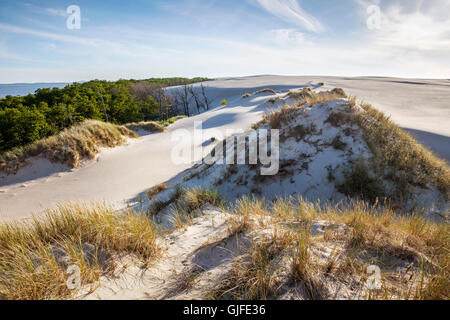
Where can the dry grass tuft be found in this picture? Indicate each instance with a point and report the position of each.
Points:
(278, 117)
(188, 206)
(300, 95)
(340, 92)
(149, 126)
(254, 274)
(69, 146)
(35, 257)
(156, 189)
(320, 98)
(266, 90)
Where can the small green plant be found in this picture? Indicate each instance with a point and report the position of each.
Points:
(224, 102)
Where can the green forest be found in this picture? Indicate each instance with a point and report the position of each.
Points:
(30, 118)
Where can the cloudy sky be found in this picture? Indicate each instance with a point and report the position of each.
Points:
(215, 38)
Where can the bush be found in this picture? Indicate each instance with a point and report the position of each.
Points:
(224, 102)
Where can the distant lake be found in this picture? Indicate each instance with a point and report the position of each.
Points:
(22, 89)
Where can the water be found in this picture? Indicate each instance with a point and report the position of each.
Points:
(22, 89)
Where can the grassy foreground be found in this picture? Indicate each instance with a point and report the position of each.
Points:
(411, 252)
(285, 254)
(36, 257)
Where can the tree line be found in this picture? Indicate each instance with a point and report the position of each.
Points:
(24, 119)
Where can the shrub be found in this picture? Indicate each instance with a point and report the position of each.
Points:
(224, 102)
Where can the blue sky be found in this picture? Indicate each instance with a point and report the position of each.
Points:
(144, 38)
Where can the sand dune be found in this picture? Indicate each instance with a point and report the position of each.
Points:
(120, 174)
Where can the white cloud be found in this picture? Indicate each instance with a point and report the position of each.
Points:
(287, 37)
(290, 10)
(413, 25)
(55, 12)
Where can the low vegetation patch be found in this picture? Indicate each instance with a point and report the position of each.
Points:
(153, 126)
(276, 118)
(37, 258)
(184, 204)
(266, 90)
(156, 189)
(360, 182)
(149, 126)
(399, 157)
(302, 94)
(70, 146)
(308, 250)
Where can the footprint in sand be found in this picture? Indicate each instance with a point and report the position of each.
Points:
(3, 190)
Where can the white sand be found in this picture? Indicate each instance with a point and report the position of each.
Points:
(121, 174)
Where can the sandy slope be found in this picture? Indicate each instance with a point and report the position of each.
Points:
(122, 173)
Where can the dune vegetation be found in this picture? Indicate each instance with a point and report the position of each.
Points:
(149, 126)
(70, 146)
(306, 251)
(26, 119)
(153, 126)
(286, 248)
(397, 157)
(289, 248)
(35, 256)
(79, 142)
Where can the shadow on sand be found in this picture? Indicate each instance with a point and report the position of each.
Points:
(439, 144)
